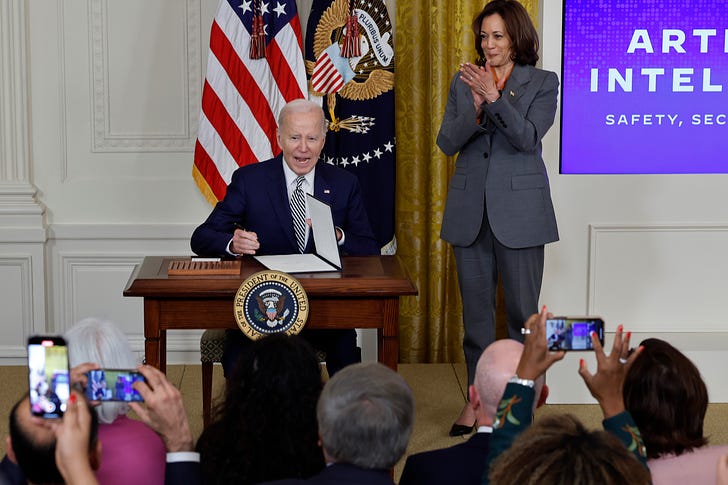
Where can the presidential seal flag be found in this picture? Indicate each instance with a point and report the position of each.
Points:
(350, 63)
(255, 66)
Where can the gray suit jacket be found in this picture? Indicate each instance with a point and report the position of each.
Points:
(499, 168)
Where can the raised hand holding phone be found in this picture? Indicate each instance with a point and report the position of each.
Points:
(48, 376)
(536, 358)
(573, 333)
(606, 384)
(113, 385)
(72, 443)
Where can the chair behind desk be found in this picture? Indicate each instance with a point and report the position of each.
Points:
(212, 344)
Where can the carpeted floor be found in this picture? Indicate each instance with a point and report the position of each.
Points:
(439, 395)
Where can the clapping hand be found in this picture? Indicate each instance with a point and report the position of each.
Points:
(481, 82)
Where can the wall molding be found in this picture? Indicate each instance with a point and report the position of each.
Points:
(70, 296)
(597, 231)
(104, 138)
(115, 232)
(18, 204)
(634, 269)
(90, 265)
(14, 146)
(706, 350)
(24, 265)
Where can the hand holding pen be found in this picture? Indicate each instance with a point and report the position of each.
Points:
(244, 242)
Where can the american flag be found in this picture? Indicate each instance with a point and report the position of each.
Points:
(242, 97)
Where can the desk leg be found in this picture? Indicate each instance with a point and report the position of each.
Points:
(163, 351)
(154, 339)
(388, 335)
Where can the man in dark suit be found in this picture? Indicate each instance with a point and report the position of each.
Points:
(365, 416)
(255, 217)
(465, 463)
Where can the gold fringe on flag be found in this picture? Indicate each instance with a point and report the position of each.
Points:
(351, 46)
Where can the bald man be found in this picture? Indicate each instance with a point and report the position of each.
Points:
(465, 463)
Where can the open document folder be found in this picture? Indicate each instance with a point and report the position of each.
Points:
(326, 257)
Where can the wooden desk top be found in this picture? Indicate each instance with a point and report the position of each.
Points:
(361, 276)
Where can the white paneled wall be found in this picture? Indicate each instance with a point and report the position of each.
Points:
(646, 251)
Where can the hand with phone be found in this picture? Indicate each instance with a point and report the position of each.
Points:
(606, 384)
(48, 376)
(72, 443)
(536, 357)
(113, 385)
(573, 333)
(164, 410)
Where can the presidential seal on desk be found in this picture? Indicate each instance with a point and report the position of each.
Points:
(270, 302)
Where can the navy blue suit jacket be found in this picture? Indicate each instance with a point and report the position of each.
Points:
(257, 199)
(183, 473)
(462, 464)
(10, 473)
(343, 474)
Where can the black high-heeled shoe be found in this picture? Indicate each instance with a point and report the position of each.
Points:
(461, 429)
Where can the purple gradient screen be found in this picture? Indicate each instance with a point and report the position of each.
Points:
(644, 87)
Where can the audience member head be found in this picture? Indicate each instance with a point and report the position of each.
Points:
(497, 364)
(365, 416)
(103, 343)
(667, 398)
(301, 134)
(559, 450)
(32, 445)
(265, 428)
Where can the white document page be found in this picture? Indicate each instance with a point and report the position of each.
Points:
(295, 263)
(327, 250)
(324, 234)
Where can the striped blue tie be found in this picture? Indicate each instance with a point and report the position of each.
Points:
(298, 211)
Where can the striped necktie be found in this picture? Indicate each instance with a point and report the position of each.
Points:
(298, 211)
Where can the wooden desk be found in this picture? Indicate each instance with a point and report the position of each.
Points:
(365, 294)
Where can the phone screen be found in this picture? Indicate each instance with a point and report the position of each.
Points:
(573, 333)
(48, 376)
(113, 385)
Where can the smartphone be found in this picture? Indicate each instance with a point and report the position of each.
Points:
(573, 333)
(48, 376)
(113, 385)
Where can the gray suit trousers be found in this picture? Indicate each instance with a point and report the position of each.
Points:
(478, 265)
